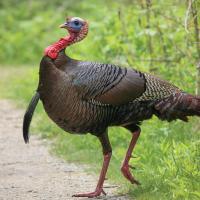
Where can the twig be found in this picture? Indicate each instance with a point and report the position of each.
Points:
(155, 60)
(148, 26)
(187, 15)
(196, 29)
(198, 80)
(197, 38)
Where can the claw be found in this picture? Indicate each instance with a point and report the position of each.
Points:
(96, 193)
(126, 167)
(133, 156)
(137, 182)
(132, 167)
(103, 192)
(127, 174)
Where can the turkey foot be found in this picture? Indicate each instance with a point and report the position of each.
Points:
(99, 188)
(127, 174)
(125, 169)
(96, 193)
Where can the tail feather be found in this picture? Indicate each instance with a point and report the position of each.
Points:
(178, 106)
(28, 116)
(190, 105)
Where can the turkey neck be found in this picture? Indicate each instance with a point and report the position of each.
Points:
(64, 42)
(72, 38)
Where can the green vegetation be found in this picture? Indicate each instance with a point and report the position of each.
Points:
(129, 33)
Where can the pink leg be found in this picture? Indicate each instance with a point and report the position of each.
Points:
(125, 169)
(99, 187)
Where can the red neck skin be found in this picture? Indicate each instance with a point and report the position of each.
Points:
(65, 41)
(53, 50)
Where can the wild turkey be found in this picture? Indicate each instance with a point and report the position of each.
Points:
(82, 97)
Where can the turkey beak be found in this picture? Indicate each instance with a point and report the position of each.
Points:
(65, 25)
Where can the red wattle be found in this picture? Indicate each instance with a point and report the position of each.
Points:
(53, 50)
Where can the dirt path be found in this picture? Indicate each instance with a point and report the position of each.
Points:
(29, 172)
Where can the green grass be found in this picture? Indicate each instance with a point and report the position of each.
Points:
(168, 154)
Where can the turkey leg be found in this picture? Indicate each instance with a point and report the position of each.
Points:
(107, 151)
(125, 169)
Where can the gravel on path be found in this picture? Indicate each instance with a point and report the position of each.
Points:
(30, 172)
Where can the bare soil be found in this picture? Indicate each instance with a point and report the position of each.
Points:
(30, 172)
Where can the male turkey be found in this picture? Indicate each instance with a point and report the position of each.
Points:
(82, 97)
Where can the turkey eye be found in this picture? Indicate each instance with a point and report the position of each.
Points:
(76, 23)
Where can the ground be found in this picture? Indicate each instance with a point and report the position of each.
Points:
(30, 172)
